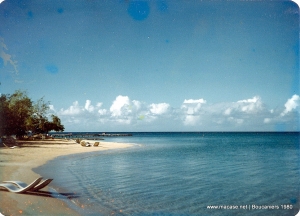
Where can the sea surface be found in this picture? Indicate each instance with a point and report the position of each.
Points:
(184, 173)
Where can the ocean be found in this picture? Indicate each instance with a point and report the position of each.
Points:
(184, 173)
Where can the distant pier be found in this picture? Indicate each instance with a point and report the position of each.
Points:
(88, 135)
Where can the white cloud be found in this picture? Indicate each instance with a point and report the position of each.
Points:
(247, 106)
(51, 107)
(191, 120)
(88, 106)
(236, 120)
(191, 110)
(102, 111)
(291, 104)
(192, 101)
(72, 110)
(159, 109)
(137, 104)
(252, 100)
(242, 112)
(191, 106)
(98, 105)
(252, 105)
(228, 111)
(193, 114)
(120, 106)
(125, 111)
(99, 110)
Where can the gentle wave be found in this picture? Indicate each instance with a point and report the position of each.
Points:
(184, 173)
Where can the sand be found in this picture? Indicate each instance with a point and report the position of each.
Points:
(17, 164)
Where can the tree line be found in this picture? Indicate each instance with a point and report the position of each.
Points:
(19, 115)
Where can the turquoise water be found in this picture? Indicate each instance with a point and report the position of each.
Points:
(185, 174)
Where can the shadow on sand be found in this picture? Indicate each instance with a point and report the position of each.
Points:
(48, 194)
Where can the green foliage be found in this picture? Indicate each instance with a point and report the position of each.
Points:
(15, 110)
(4, 115)
(55, 124)
(18, 115)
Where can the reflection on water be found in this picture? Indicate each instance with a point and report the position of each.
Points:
(184, 173)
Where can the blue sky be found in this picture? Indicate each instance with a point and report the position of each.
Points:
(156, 65)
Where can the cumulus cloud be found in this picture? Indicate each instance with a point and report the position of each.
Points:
(191, 120)
(72, 110)
(192, 101)
(191, 110)
(291, 104)
(252, 105)
(248, 106)
(126, 111)
(236, 120)
(102, 111)
(288, 115)
(76, 109)
(120, 105)
(192, 106)
(228, 111)
(137, 103)
(244, 113)
(193, 114)
(88, 106)
(159, 109)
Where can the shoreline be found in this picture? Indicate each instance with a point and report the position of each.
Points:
(18, 164)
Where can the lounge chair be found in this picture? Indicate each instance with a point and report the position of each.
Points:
(12, 188)
(85, 144)
(42, 184)
(39, 186)
(12, 147)
(96, 144)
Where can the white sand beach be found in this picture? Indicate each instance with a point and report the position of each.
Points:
(17, 164)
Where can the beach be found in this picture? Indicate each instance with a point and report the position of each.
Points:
(170, 173)
(17, 164)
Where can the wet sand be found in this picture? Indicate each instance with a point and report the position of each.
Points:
(17, 164)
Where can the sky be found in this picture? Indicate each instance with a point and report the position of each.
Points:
(157, 65)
